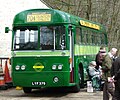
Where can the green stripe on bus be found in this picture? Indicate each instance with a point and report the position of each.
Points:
(40, 53)
(85, 49)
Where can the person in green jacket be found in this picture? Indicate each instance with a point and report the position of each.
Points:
(106, 66)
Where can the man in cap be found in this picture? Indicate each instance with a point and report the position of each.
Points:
(99, 57)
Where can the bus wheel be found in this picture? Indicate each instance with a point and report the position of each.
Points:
(81, 74)
(27, 90)
(76, 88)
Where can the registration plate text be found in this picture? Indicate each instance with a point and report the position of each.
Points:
(38, 83)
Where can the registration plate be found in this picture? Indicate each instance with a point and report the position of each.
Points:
(38, 83)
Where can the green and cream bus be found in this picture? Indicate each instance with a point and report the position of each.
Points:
(51, 48)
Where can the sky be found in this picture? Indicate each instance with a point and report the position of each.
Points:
(8, 9)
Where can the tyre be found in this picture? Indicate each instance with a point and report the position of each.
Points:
(76, 88)
(27, 90)
(81, 73)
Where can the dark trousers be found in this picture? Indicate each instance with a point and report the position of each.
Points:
(108, 90)
(117, 90)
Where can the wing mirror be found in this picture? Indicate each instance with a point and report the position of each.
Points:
(7, 29)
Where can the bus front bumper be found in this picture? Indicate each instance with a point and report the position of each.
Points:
(41, 79)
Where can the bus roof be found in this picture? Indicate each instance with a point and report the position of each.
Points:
(52, 16)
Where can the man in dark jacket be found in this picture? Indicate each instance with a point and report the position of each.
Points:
(115, 72)
(99, 57)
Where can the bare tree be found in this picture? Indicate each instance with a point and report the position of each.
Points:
(106, 12)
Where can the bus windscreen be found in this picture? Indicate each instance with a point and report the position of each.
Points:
(50, 38)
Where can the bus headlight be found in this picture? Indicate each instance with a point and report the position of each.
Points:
(23, 67)
(54, 67)
(60, 67)
(55, 79)
(17, 67)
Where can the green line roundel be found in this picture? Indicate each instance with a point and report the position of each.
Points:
(38, 67)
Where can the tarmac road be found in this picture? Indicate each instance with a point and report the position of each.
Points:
(49, 94)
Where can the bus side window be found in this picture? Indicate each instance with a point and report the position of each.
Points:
(92, 39)
(98, 39)
(87, 38)
(78, 36)
(83, 36)
(103, 42)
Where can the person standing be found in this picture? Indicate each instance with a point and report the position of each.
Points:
(99, 57)
(115, 73)
(106, 67)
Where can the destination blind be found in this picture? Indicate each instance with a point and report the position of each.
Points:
(38, 17)
(88, 24)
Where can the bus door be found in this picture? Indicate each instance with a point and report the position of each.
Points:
(71, 59)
